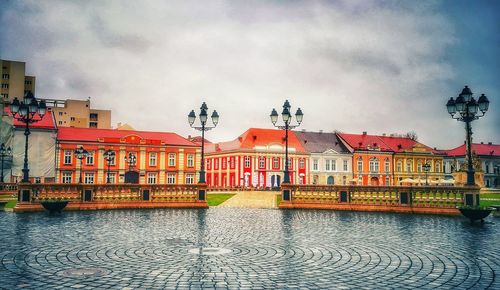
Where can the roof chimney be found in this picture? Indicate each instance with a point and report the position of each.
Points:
(383, 134)
(320, 131)
(489, 143)
(364, 132)
(482, 142)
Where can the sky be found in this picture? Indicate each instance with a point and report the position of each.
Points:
(352, 66)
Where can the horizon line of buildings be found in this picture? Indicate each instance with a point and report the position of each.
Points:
(253, 159)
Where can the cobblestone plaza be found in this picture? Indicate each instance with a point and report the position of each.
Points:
(246, 249)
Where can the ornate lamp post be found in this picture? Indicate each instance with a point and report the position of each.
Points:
(4, 152)
(131, 160)
(27, 111)
(81, 153)
(466, 109)
(287, 119)
(109, 155)
(203, 121)
(426, 168)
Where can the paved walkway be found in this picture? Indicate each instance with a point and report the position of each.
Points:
(252, 199)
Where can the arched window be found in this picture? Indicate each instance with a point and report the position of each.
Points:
(374, 165)
(330, 180)
(419, 166)
(400, 166)
(437, 167)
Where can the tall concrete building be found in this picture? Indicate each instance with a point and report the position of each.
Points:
(14, 81)
(78, 114)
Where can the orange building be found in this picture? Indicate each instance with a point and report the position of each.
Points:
(256, 159)
(160, 158)
(371, 160)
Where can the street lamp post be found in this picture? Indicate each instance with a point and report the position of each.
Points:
(426, 167)
(27, 111)
(203, 121)
(466, 109)
(81, 153)
(109, 155)
(287, 119)
(4, 152)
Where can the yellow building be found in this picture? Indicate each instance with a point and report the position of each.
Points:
(15, 82)
(409, 159)
(79, 114)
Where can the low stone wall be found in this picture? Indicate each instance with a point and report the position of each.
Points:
(112, 196)
(425, 199)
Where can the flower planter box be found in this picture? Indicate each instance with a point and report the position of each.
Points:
(54, 206)
(475, 213)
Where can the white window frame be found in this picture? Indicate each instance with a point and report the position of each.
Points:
(189, 178)
(152, 158)
(302, 163)
(89, 178)
(171, 159)
(327, 165)
(262, 162)
(190, 160)
(360, 164)
(315, 164)
(276, 163)
(171, 177)
(67, 177)
(89, 159)
(152, 177)
(68, 155)
(346, 165)
(247, 161)
(333, 164)
(387, 165)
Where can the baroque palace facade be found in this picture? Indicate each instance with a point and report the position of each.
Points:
(145, 157)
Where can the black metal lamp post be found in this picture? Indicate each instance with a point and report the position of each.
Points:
(203, 121)
(4, 152)
(466, 109)
(426, 167)
(131, 160)
(27, 111)
(109, 155)
(81, 153)
(287, 119)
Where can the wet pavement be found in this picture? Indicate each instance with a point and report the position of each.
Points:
(230, 248)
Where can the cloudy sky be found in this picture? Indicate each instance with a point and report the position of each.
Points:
(353, 66)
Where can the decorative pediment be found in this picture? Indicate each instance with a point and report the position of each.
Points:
(418, 148)
(132, 139)
(330, 151)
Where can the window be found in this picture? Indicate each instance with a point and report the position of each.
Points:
(409, 166)
(387, 165)
(346, 165)
(90, 158)
(5, 76)
(419, 166)
(334, 165)
(93, 117)
(387, 181)
(38, 180)
(112, 160)
(72, 118)
(170, 178)
(216, 163)
(374, 165)
(67, 156)
(302, 164)
(93, 125)
(231, 162)
(152, 159)
(190, 160)
(315, 164)
(399, 166)
(247, 161)
(224, 163)
(66, 177)
(209, 165)
(151, 178)
(89, 178)
(360, 164)
(60, 122)
(5, 96)
(327, 165)
(28, 82)
(60, 113)
(171, 159)
(262, 162)
(189, 178)
(112, 177)
(486, 167)
(276, 162)
(5, 86)
(437, 167)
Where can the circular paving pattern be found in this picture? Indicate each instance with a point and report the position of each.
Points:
(246, 248)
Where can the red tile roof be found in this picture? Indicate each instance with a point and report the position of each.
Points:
(47, 122)
(478, 149)
(258, 137)
(364, 142)
(113, 135)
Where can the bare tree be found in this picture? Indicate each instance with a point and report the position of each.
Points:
(412, 135)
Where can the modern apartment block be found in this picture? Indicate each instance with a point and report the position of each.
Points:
(15, 82)
(79, 114)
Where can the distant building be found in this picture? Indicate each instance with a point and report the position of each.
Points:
(160, 157)
(78, 114)
(15, 82)
(330, 160)
(256, 159)
(489, 158)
